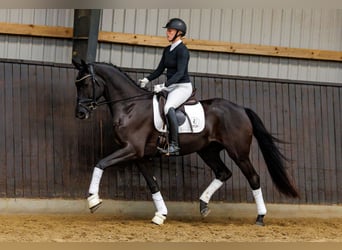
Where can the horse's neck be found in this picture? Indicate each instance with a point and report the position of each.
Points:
(120, 87)
(120, 91)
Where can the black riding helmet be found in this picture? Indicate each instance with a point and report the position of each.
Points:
(177, 24)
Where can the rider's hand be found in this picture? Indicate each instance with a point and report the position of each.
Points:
(158, 87)
(143, 82)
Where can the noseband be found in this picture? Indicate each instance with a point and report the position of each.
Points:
(87, 103)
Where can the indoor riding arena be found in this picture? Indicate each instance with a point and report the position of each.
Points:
(284, 64)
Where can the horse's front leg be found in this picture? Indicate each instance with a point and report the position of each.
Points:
(124, 154)
(161, 213)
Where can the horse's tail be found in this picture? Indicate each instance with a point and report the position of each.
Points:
(274, 159)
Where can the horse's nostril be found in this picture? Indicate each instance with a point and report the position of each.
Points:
(81, 115)
(81, 112)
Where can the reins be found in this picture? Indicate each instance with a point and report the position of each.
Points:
(125, 99)
(93, 102)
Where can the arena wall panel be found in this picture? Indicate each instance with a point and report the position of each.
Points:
(45, 152)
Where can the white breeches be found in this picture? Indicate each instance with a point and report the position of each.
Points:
(178, 94)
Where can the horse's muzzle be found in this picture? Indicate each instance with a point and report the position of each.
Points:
(82, 112)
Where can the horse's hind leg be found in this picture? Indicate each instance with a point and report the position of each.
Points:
(211, 156)
(253, 178)
(157, 198)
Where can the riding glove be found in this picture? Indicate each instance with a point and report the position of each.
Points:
(143, 82)
(158, 87)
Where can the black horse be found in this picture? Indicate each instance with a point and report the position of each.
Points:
(228, 126)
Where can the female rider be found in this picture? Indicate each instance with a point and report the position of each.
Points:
(175, 60)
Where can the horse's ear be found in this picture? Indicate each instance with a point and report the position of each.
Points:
(76, 64)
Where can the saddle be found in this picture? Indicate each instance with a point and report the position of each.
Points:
(180, 111)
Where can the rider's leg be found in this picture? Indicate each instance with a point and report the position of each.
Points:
(178, 94)
(173, 131)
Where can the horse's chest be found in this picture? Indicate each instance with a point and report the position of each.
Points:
(121, 123)
(125, 114)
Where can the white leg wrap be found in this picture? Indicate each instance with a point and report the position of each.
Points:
(93, 200)
(159, 203)
(95, 181)
(259, 200)
(211, 189)
(158, 218)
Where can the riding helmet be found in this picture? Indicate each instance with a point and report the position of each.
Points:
(177, 24)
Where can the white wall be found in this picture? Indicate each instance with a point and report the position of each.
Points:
(298, 28)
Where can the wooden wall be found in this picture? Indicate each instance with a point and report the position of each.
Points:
(45, 152)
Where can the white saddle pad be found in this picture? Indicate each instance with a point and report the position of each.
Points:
(195, 113)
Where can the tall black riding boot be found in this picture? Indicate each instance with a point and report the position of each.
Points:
(173, 132)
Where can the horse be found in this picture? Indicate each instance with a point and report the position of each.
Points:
(228, 126)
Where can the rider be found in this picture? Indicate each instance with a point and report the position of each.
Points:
(175, 59)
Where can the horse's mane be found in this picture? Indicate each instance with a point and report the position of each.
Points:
(119, 69)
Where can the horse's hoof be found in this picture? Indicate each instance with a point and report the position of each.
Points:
(205, 212)
(94, 202)
(260, 220)
(158, 219)
(93, 209)
(204, 209)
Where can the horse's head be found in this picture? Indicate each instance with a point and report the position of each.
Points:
(89, 89)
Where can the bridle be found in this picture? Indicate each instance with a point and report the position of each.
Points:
(91, 104)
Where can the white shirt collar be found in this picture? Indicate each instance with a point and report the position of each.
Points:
(174, 45)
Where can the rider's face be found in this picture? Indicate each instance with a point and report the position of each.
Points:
(170, 34)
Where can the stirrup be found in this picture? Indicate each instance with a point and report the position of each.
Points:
(170, 150)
